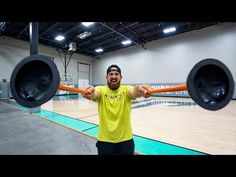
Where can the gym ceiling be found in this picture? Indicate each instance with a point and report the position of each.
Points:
(107, 36)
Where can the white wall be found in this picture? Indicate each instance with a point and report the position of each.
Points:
(13, 50)
(170, 59)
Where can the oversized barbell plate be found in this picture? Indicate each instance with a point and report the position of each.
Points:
(34, 81)
(210, 84)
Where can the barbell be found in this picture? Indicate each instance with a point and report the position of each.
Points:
(35, 80)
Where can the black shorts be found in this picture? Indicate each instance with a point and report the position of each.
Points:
(122, 148)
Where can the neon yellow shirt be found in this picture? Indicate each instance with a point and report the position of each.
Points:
(114, 108)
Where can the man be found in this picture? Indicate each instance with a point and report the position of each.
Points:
(114, 108)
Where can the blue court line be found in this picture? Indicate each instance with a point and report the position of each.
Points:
(67, 121)
(142, 145)
(153, 147)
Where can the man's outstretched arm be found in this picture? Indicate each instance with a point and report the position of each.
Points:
(92, 93)
(138, 91)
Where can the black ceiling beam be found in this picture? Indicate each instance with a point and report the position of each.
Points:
(105, 46)
(120, 30)
(143, 28)
(18, 36)
(78, 49)
(48, 29)
(103, 24)
(113, 47)
(105, 34)
(71, 29)
(133, 32)
(115, 44)
(93, 38)
(103, 42)
(86, 52)
(74, 29)
(81, 50)
(53, 41)
(161, 30)
(90, 31)
(189, 26)
(50, 40)
(2, 26)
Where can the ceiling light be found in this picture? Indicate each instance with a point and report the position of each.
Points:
(168, 30)
(126, 42)
(99, 50)
(87, 23)
(84, 35)
(60, 38)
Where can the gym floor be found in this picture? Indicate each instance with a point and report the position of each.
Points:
(161, 126)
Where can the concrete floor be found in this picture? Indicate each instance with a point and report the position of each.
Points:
(22, 133)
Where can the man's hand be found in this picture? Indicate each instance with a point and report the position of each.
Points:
(143, 91)
(90, 92)
(138, 91)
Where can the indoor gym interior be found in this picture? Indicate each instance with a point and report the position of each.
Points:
(169, 123)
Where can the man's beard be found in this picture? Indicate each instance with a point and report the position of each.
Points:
(113, 86)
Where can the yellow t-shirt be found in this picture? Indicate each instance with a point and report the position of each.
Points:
(114, 109)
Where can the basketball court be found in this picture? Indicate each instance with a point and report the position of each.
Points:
(42, 110)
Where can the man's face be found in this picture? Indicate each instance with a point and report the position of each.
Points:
(113, 79)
